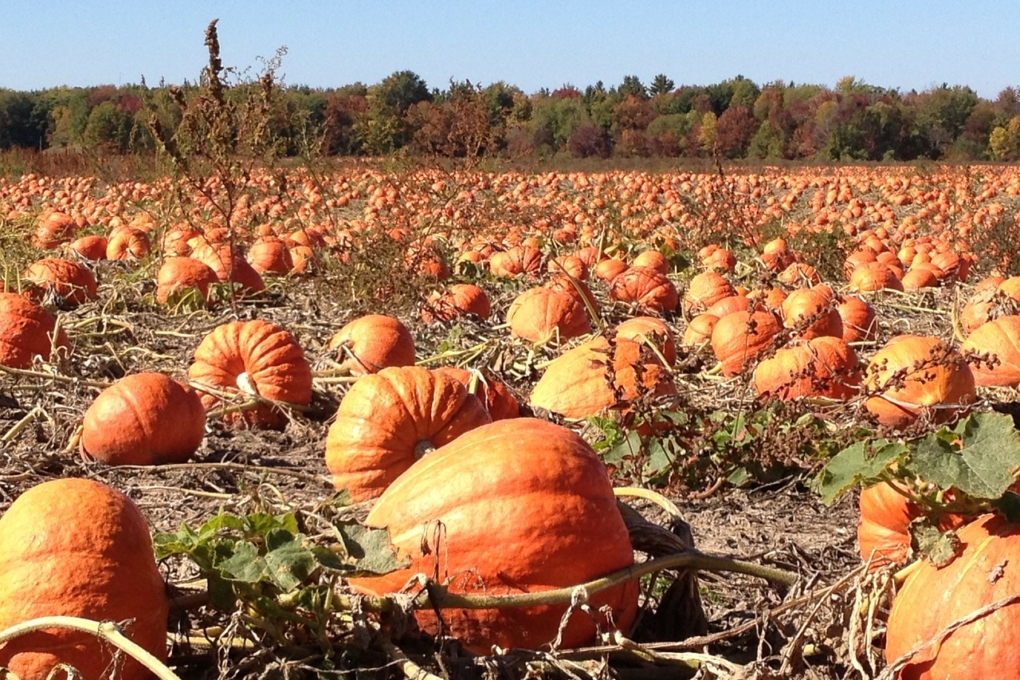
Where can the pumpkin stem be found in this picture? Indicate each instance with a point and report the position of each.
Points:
(423, 448)
(246, 384)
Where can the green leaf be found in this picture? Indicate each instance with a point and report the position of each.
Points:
(369, 549)
(629, 446)
(983, 467)
(940, 547)
(289, 560)
(244, 564)
(181, 543)
(1009, 506)
(857, 464)
(660, 460)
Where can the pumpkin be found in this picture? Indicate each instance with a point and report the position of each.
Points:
(608, 269)
(516, 261)
(179, 274)
(799, 274)
(389, 419)
(776, 255)
(26, 331)
(728, 305)
(143, 419)
(934, 380)
(718, 258)
(586, 380)
(542, 314)
(569, 265)
(873, 277)
(55, 229)
(823, 367)
(699, 330)
(71, 282)
(739, 338)
(809, 314)
(649, 329)
(229, 265)
(75, 547)
(705, 290)
(858, 319)
(883, 532)
(497, 398)
(575, 287)
(459, 299)
(645, 287)
(254, 357)
(998, 338)
(916, 278)
(933, 598)
(90, 247)
(566, 530)
(270, 256)
(128, 243)
(373, 342)
(652, 259)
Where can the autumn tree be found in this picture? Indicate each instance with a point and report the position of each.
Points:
(661, 84)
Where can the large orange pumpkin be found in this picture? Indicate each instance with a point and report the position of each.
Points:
(457, 300)
(824, 367)
(143, 419)
(566, 530)
(388, 420)
(932, 598)
(542, 314)
(648, 288)
(179, 274)
(497, 398)
(253, 356)
(914, 375)
(739, 338)
(1000, 339)
(75, 547)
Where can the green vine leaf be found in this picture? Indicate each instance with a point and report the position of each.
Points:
(862, 463)
(982, 467)
(369, 550)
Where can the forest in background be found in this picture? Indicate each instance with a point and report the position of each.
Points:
(733, 119)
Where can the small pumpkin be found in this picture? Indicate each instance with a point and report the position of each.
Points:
(516, 261)
(76, 547)
(388, 420)
(459, 299)
(645, 287)
(809, 314)
(705, 289)
(858, 319)
(179, 274)
(270, 255)
(566, 530)
(143, 419)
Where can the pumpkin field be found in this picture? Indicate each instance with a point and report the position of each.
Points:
(425, 422)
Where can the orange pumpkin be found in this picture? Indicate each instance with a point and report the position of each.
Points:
(705, 290)
(739, 338)
(645, 287)
(566, 530)
(543, 314)
(650, 329)
(178, 274)
(459, 299)
(1000, 339)
(256, 358)
(26, 331)
(822, 367)
(388, 420)
(810, 315)
(497, 398)
(75, 547)
(373, 342)
(270, 256)
(914, 375)
(516, 261)
(143, 419)
(71, 282)
(858, 319)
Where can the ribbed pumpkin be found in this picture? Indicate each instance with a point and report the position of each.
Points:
(739, 338)
(873, 277)
(576, 288)
(388, 420)
(497, 398)
(373, 342)
(26, 331)
(577, 383)
(516, 261)
(1001, 339)
(270, 255)
(143, 419)
(699, 330)
(648, 288)
(542, 314)
(53, 230)
(91, 247)
(728, 305)
(565, 530)
(931, 599)
(229, 265)
(652, 259)
(650, 329)
(75, 547)
(459, 299)
(810, 315)
(821, 367)
(128, 243)
(941, 390)
(71, 282)
(259, 356)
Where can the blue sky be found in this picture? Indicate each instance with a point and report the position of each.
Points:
(905, 44)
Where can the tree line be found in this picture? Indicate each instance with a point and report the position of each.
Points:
(733, 119)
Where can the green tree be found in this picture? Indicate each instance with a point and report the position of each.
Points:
(108, 128)
(632, 86)
(1004, 142)
(661, 84)
(402, 90)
